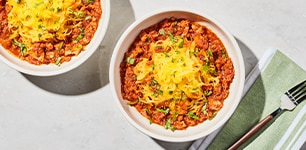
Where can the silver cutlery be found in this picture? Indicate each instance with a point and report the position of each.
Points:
(289, 101)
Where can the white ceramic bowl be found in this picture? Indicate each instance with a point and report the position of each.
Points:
(52, 69)
(191, 133)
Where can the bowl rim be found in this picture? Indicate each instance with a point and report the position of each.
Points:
(52, 69)
(115, 58)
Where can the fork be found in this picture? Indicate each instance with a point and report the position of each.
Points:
(289, 101)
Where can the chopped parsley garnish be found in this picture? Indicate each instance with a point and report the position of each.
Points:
(23, 49)
(39, 35)
(80, 36)
(149, 114)
(224, 55)
(165, 111)
(40, 26)
(205, 67)
(154, 82)
(207, 93)
(159, 92)
(204, 109)
(37, 4)
(192, 115)
(175, 25)
(162, 31)
(58, 9)
(181, 44)
(210, 53)
(158, 46)
(135, 102)
(58, 61)
(60, 46)
(87, 18)
(172, 38)
(166, 54)
(81, 14)
(168, 125)
(213, 72)
(89, 1)
(130, 60)
(195, 89)
(175, 116)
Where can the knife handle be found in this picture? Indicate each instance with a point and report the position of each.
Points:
(254, 130)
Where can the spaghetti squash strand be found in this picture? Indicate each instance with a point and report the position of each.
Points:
(43, 20)
(176, 71)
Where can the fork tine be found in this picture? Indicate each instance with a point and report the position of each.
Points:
(302, 95)
(298, 93)
(301, 99)
(297, 87)
(301, 91)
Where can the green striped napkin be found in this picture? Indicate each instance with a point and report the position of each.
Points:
(286, 130)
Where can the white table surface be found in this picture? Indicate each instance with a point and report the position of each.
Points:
(76, 111)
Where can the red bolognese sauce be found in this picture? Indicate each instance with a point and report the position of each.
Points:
(48, 32)
(176, 73)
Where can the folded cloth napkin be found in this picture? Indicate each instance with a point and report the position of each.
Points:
(287, 130)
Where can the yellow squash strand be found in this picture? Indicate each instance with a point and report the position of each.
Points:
(42, 20)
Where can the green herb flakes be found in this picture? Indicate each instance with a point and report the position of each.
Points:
(165, 111)
(149, 114)
(130, 60)
(80, 36)
(192, 115)
(162, 32)
(210, 53)
(58, 61)
(168, 125)
(23, 49)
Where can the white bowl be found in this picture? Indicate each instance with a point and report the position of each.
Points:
(52, 69)
(191, 133)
